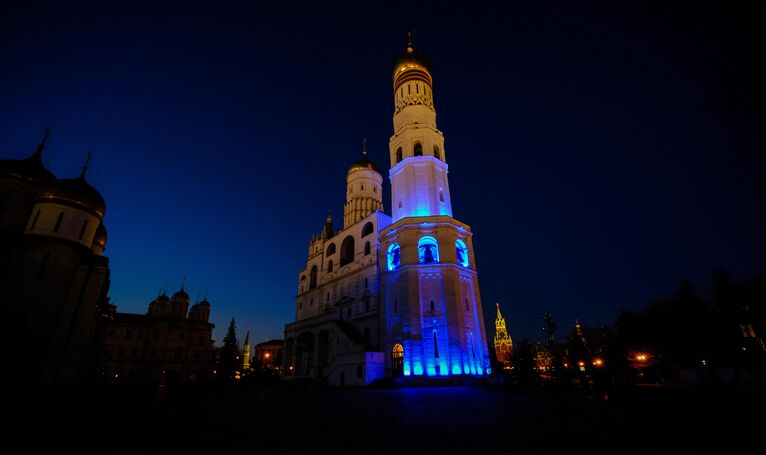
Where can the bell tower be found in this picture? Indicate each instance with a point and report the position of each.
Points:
(433, 321)
(418, 162)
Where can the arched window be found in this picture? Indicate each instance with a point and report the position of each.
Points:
(461, 251)
(418, 149)
(437, 153)
(58, 222)
(441, 196)
(347, 251)
(428, 250)
(392, 256)
(34, 221)
(436, 346)
(397, 360)
(313, 278)
(329, 266)
(367, 229)
(399, 155)
(367, 249)
(432, 306)
(84, 226)
(331, 249)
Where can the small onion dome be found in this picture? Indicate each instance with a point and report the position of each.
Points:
(180, 295)
(29, 169)
(75, 192)
(362, 165)
(411, 66)
(163, 298)
(204, 302)
(100, 237)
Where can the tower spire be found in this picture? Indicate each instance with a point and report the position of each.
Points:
(183, 283)
(410, 48)
(41, 145)
(503, 341)
(364, 148)
(87, 162)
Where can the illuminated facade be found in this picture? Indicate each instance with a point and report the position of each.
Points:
(392, 296)
(429, 285)
(246, 353)
(503, 342)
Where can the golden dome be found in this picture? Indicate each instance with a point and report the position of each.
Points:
(411, 66)
(363, 164)
(180, 295)
(74, 192)
(30, 169)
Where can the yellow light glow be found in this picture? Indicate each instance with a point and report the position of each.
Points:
(267, 355)
(581, 363)
(598, 362)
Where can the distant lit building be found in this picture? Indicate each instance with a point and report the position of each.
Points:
(246, 353)
(169, 343)
(392, 295)
(54, 278)
(268, 355)
(503, 342)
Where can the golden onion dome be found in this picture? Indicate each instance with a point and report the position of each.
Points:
(363, 164)
(100, 238)
(411, 66)
(74, 192)
(30, 169)
(180, 295)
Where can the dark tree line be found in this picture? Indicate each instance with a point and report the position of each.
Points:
(684, 331)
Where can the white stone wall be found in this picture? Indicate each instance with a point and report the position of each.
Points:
(45, 215)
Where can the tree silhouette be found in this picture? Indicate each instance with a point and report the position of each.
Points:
(227, 361)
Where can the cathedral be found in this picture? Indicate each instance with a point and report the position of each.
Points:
(170, 343)
(54, 277)
(395, 295)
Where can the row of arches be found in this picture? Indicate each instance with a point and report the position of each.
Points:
(428, 253)
(418, 151)
(349, 240)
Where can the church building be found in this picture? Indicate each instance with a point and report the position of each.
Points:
(392, 295)
(54, 278)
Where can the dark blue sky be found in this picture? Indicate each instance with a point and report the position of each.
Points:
(600, 154)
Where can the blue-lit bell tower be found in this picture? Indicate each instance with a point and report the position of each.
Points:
(433, 317)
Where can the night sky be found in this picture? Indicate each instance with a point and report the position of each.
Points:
(599, 153)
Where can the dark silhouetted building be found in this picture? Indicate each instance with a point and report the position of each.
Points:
(53, 277)
(169, 343)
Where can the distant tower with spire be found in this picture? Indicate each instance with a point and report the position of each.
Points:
(246, 352)
(503, 342)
